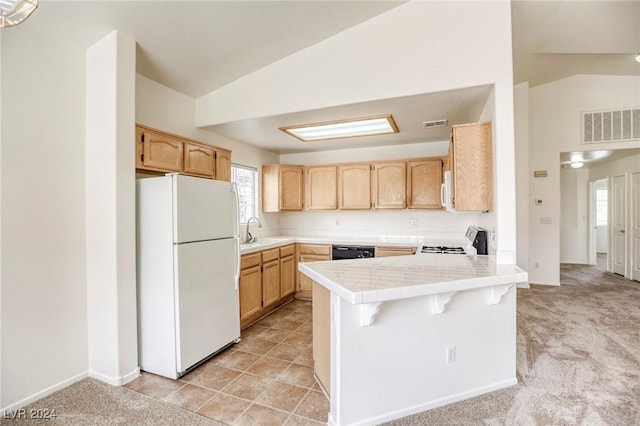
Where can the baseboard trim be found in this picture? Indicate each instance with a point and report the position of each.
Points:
(556, 284)
(435, 403)
(115, 381)
(41, 394)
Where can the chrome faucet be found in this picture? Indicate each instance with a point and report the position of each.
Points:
(250, 238)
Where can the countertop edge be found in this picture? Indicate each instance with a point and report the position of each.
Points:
(377, 295)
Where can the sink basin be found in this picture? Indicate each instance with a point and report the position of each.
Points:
(264, 242)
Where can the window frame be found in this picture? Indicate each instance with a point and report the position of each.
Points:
(256, 208)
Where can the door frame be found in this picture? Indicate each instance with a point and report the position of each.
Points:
(634, 201)
(612, 228)
(592, 258)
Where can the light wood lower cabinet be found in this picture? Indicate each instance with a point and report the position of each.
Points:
(394, 251)
(265, 282)
(270, 277)
(287, 270)
(321, 308)
(250, 292)
(310, 253)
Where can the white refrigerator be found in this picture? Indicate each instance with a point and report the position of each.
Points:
(188, 257)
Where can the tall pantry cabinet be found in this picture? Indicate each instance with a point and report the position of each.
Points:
(471, 163)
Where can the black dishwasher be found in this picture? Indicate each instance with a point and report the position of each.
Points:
(352, 252)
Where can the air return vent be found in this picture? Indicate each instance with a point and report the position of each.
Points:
(611, 126)
(434, 123)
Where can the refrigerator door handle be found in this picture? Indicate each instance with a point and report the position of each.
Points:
(237, 270)
(234, 189)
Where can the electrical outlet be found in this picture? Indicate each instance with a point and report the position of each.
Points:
(337, 222)
(493, 234)
(536, 265)
(545, 220)
(414, 223)
(451, 354)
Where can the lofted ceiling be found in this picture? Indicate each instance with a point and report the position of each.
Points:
(196, 47)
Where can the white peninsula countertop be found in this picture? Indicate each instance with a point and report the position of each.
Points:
(392, 278)
(393, 336)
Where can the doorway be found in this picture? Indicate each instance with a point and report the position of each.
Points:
(618, 222)
(599, 214)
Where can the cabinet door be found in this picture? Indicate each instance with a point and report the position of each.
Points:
(390, 185)
(161, 151)
(287, 275)
(306, 283)
(291, 188)
(472, 165)
(354, 187)
(198, 160)
(223, 164)
(322, 188)
(250, 291)
(321, 320)
(423, 184)
(270, 282)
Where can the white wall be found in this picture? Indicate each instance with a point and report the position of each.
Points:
(385, 58)
(574, 217)
(43, 282)
(430, 224)
(554, 127)
(521, 120)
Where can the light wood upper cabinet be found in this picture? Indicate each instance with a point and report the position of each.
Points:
(322, 188)
(223, 164)
(282, 188)
(199, 160)
(471, 162)
(159, 151)
(424, 178)
(354, 186)
(389, 185)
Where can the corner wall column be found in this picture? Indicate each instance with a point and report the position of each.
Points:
(110, 209)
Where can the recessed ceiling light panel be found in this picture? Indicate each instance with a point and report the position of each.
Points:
(367, 126)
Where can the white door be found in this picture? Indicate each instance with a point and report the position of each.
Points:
(204, 209)
(207, 301)
(635, 225)
(619, 217)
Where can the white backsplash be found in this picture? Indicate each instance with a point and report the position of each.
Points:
(405, 223)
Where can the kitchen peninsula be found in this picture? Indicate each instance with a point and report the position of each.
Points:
(399, 335)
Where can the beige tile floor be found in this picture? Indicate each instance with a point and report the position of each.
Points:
(266, 379)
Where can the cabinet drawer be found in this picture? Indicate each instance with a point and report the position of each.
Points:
(269, 255)
(249, 260)
(287, 250)
(394, 251)
(319, 249)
